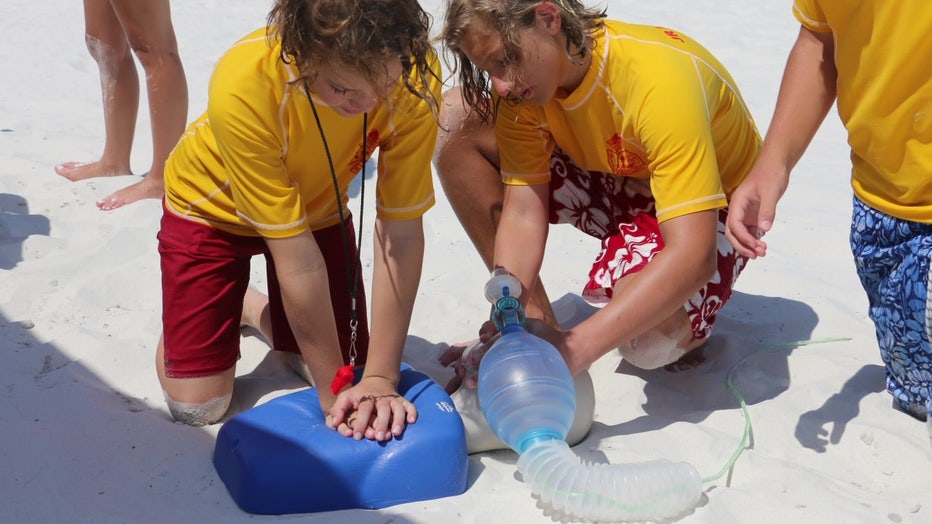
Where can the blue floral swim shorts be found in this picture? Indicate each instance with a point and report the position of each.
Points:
(892, 259)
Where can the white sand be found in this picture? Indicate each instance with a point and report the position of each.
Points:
(84, 434)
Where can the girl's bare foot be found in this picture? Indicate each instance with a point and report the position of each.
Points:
(256, 313)
(148, 187)
(75, 171)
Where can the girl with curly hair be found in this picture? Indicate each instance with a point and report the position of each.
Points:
(295, 111)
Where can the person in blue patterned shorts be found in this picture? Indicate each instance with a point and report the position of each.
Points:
(873, 57)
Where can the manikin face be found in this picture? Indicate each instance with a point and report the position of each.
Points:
(347, 91)
(539, 71)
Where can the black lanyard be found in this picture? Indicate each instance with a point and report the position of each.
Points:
(352, 279)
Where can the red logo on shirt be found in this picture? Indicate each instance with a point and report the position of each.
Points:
(622, 160)
(672, 34)
(372, 142)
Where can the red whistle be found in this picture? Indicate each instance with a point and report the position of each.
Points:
(343, 377)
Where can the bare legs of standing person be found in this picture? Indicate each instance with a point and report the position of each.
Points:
(115, 30)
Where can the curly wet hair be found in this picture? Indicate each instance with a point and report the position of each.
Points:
(508, 17)
(359, 34)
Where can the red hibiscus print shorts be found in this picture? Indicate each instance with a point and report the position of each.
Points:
(620, 211)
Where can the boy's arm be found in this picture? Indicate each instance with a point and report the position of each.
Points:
(521, 238)
(806, 94)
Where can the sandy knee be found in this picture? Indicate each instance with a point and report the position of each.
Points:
(452, 117)
(663, 345)
(462, 126)
(199, 413)
(653, 350)
(452, 107)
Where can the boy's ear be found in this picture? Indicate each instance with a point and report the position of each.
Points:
(548, 14)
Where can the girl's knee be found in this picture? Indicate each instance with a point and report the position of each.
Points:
(199, 414)
(458, 119)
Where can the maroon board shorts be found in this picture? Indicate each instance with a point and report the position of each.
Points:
(205, 273)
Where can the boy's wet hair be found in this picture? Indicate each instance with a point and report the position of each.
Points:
(362, 35)
(507, 17)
